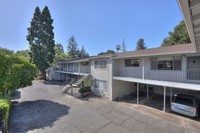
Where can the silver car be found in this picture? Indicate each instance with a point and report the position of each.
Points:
(185, 104)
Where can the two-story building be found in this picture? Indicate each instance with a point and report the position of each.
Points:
(167, 70)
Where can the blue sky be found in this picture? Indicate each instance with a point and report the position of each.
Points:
(97, 24)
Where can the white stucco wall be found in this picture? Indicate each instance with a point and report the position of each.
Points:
(104, 74)
(121, 70)
(53, 75)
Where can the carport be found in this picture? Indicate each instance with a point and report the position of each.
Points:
(186, 86)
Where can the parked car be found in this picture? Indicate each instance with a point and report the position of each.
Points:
(185, 104)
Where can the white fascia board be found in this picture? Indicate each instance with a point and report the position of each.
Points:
(185, 10)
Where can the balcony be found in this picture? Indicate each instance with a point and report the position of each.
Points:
(166, 75)
(193, 73)
(81, 70)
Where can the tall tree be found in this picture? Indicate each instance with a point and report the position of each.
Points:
(140, 44)
(41, 39)
(118, 47)
(6, 51)
(178, 36)
(72, 47)
(82, 53)
(123, 47)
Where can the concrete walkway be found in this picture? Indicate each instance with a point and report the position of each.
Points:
(42, 109)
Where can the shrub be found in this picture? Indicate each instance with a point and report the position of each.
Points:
(5, 106)
(84, 89)
(15, 73)
(86, 84)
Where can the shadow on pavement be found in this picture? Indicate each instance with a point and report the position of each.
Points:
(16, 95)
(30, 115)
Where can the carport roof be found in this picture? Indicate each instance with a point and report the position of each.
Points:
(186, 86)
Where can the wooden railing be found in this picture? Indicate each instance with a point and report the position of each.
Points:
(82, 69)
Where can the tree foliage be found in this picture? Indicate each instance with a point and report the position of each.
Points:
(107, 52)
(140, 44)
(15, 73)
(73, 50)
(41, 39)
(59, 47)
(59, 53)
(23, 54)
(82, 53)
(123, 47)
(6, 51)
(178, 36)
(118, 47)
(72, 47)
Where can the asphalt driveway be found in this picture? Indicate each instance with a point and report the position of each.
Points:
(41, 108)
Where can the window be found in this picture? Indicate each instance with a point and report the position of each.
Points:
(100, 63)
(184, 101)
(166, 64)
(132, 62)
(84, 63)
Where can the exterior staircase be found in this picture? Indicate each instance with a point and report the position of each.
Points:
(73, 84)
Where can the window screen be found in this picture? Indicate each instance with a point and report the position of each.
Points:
(170, 64)
(132, 62)
(100, 63)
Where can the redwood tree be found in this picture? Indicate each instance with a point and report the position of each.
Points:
(41, 39)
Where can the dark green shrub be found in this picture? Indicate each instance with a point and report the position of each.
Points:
(84, 89)
(86, 84)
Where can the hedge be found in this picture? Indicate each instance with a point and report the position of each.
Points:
(5, 105)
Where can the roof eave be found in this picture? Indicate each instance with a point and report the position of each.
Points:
(146, 55)
(186, 13)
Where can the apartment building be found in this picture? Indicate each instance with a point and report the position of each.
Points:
(167, 70)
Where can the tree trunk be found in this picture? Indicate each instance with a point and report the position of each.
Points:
(44, 75)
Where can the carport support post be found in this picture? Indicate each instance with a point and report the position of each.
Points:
(137, 93)
(147, 91)
(71, 86)
(79, 67)
(142, 68)
(164, 98)
(67, 67)
(171, 95)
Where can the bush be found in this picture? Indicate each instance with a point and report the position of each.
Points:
(5, 105)
(84, 89)
(86, 84)
(15, 73)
